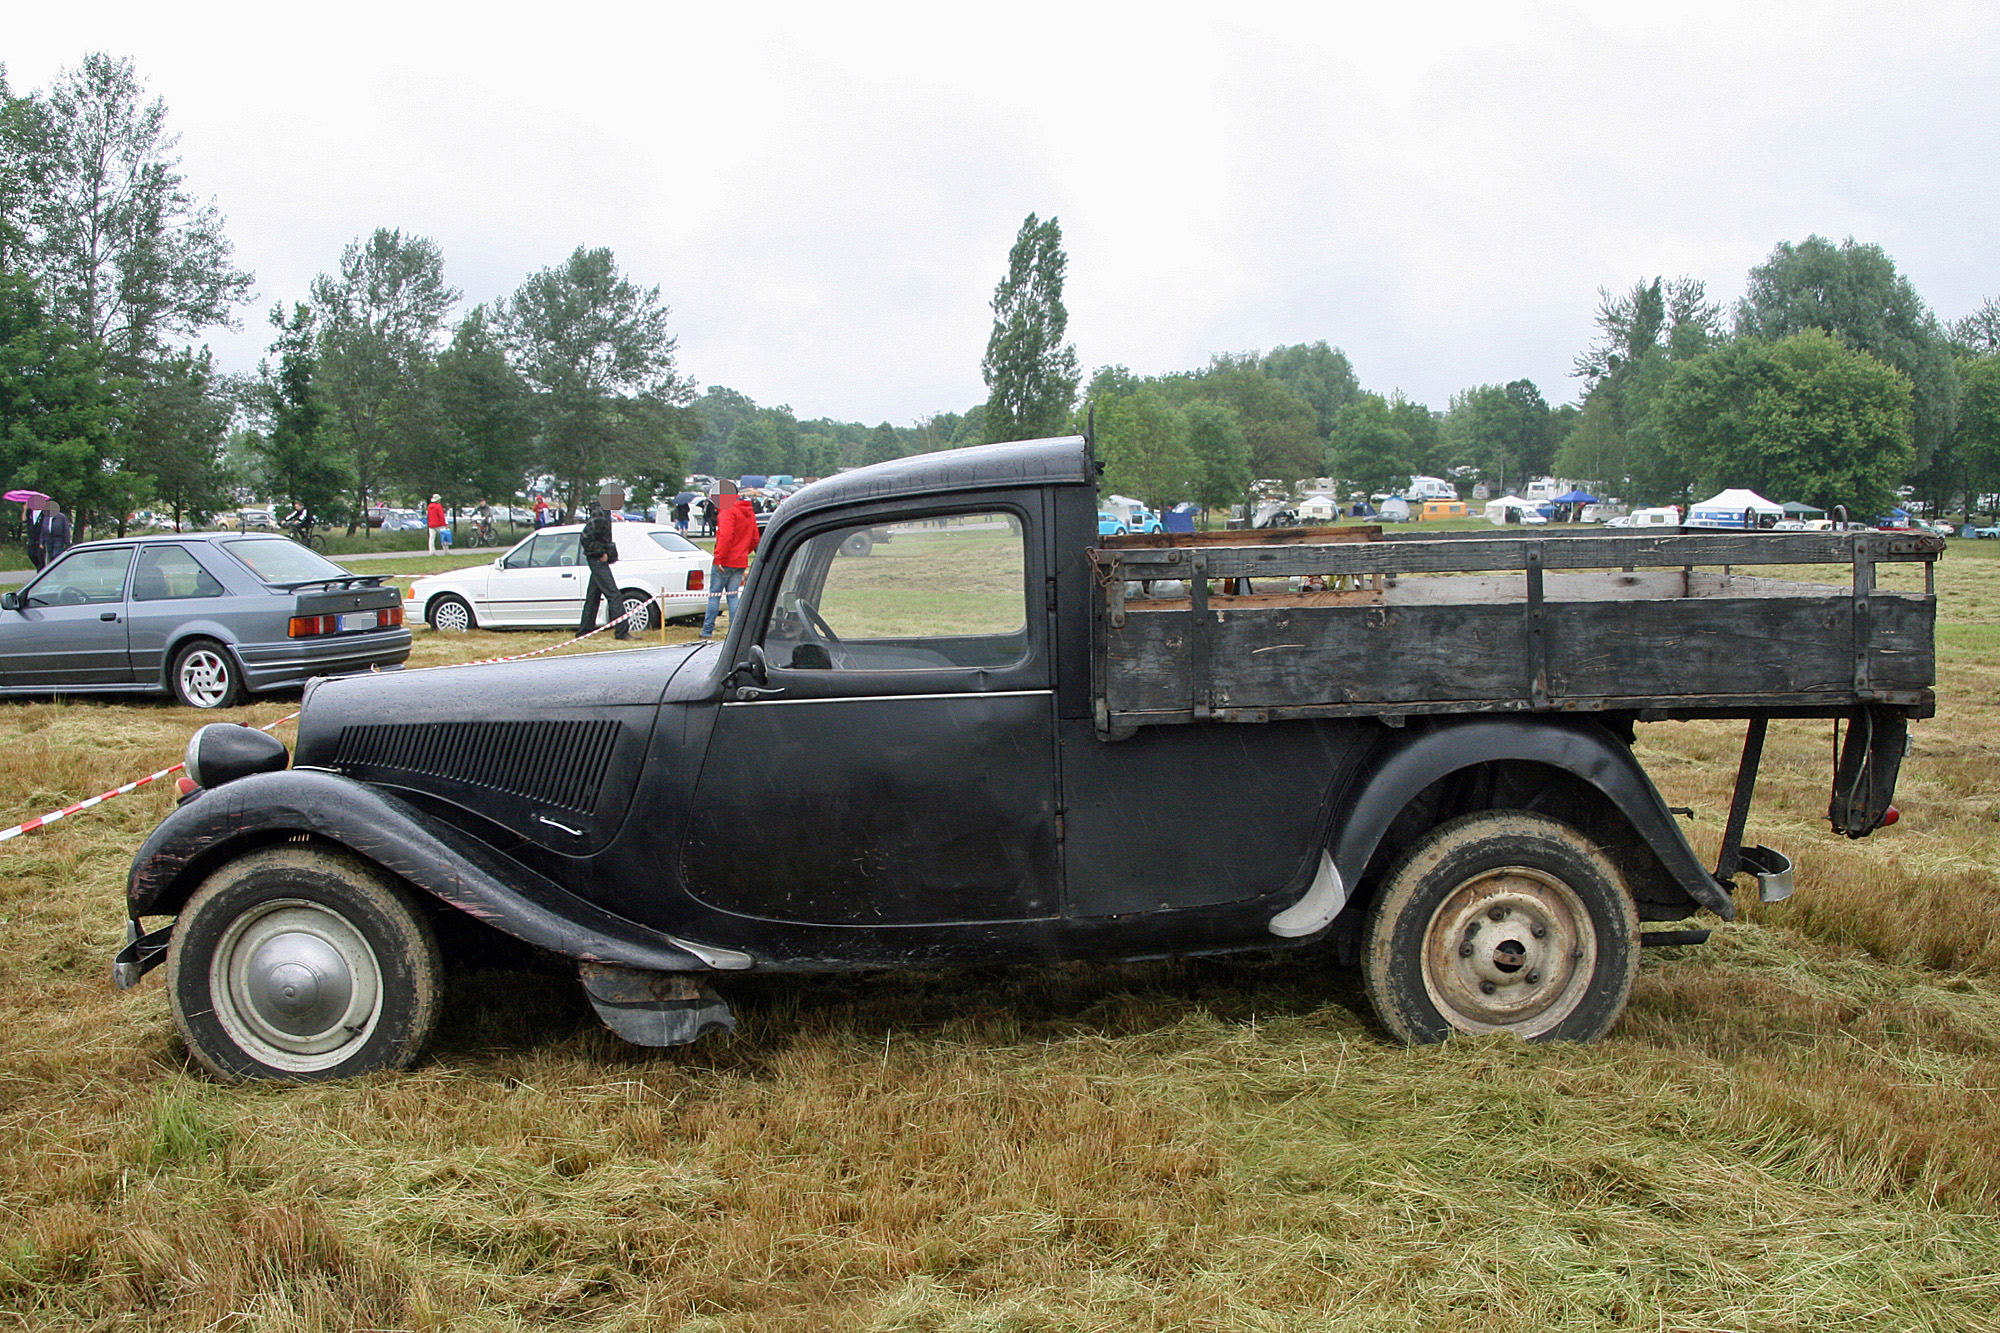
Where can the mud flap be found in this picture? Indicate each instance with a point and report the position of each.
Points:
(1864, 780)
(654, 1008)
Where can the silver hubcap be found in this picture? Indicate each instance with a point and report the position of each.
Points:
(205, 678)
(451, 615)
(296, 985)
(1510, 950)
(642, 618)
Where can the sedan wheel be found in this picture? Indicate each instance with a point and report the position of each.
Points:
(640, 607)
(204, 675)
(452, 613)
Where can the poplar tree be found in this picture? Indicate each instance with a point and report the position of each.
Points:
(1031, 373)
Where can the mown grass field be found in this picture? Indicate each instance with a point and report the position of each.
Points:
(1796, 1126)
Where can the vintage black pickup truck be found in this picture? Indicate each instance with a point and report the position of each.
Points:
(1000, 738)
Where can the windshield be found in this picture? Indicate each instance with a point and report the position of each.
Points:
(282, 560)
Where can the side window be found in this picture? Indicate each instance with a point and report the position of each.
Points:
(523, 556)
(167, 572)
(919, 595)
(82, 578)
(559, 548)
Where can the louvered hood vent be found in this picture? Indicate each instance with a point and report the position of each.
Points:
(560, 764)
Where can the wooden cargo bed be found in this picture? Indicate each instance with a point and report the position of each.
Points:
(1657, 624)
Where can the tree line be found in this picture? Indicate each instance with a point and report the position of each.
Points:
(1830, 381)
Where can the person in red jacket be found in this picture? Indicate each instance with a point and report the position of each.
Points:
(735, 538)
(434, 520)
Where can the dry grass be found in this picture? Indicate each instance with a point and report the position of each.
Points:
(1797, 1125)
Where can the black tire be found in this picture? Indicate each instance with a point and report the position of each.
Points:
(204, 675)
(1501, 921)
(450, 613)
(303, 963)
(640, 603)
(857, 544)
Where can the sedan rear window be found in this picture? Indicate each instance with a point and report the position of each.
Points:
(281, 560)
(673, 542)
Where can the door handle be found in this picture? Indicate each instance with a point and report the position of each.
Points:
(569, 576)
(109, 615)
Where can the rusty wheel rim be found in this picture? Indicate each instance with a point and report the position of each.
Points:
(1509, 950)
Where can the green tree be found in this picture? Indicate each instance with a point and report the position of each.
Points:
(1222, 454)
(1142, 440)
(57, 413)
(720, 411)
(594, 349)
(298, 464)
(1369, 450)
(1280, 429)
(1642, 335)
(131, 257)
(176, 436)
(1031, 373)
(1503, 430)
(484, 426)
(379, 320)
(1979, 426)
(1802, 418)
(21, 133)
(1853, 292)
(1317, 373)
(883, 445)
(1978, 334)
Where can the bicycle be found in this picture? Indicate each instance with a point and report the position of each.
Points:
(483, 533)
(305, 534)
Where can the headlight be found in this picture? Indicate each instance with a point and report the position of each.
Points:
(225, 751)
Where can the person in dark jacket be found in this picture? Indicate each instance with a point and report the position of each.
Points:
(37, 553)
(55, 533)
(600, 549)
(735, 538)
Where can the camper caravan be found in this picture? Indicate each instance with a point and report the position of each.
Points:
(1430, 488)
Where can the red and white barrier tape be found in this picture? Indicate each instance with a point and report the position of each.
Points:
(52, 816)
(43, 821)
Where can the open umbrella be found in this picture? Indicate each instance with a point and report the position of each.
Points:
(35, 498)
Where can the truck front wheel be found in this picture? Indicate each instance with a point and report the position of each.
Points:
(1501, 921)
(302, 963)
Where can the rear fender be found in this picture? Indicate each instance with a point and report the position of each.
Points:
(1588, 751)
(420, 849)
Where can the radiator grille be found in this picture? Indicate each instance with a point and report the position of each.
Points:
(556, 763)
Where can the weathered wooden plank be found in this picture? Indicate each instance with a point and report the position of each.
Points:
(1135, 541)
(1506, 553)
(1391, 657)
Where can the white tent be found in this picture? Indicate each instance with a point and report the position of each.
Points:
(1496, 510)
(1319, 509)
(1726, 509)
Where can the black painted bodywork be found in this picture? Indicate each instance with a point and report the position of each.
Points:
(641, 809)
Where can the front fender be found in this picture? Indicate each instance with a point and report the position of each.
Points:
(1585, 749)
(426, 852)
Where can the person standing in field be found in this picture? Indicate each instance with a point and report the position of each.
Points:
(680, 513)
(55, 532)
(600, 549)
(735, 538)
(541, 511)
(434, 521)
(37, 552)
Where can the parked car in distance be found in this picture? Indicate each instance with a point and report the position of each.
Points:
(204, 616)
(540, 583)
(1992, 530)
(1108, 525)
(402, 520)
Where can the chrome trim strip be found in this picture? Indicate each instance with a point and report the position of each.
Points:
(882, 698)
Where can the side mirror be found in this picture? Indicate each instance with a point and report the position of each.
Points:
(10, 601)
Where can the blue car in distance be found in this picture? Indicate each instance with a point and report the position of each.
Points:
(1109, 525)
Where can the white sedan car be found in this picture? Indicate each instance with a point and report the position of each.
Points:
(541, 582)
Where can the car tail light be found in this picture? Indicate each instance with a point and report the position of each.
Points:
(310, 627)
(694, 580)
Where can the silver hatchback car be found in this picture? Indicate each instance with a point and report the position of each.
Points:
(205, 616)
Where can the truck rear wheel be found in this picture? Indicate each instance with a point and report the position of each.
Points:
(1501, 921)
(302, 963)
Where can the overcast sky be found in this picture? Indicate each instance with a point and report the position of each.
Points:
(825, 194)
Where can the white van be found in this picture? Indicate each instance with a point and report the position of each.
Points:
(1430, 488)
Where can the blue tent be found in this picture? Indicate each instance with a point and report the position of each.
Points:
(1576, 498)
(1181, 517)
